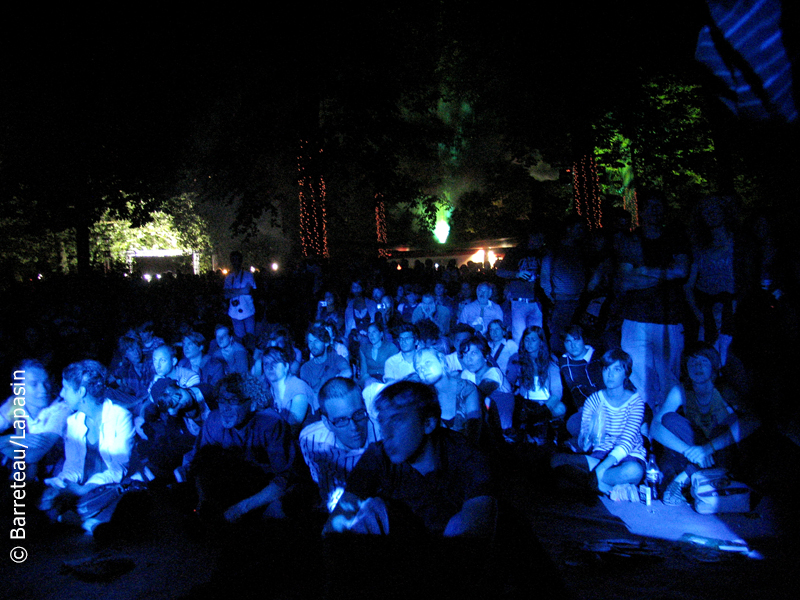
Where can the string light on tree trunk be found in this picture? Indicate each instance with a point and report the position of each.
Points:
(313, 210)
(586, 191)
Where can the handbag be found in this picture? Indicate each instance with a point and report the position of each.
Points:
(715, 492)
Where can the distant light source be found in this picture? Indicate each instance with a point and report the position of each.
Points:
(274, 266)
(252, 269)
(224, 271)
(399, 268)
(40, 276)
(158, 275)
(482, 256)
(147, 277)
(441, 231)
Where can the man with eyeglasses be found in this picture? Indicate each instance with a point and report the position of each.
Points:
(331, 447)
(420, 477)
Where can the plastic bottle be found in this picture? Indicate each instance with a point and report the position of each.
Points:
(652, 476)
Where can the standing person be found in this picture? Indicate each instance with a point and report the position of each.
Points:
(522, 265)
(563, 279)
(711, 287)
(239, 284)
(652, 267)
(97, 442)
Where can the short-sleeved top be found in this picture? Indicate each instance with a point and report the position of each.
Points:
(663, 303)
(240, 307)
(294, 387)
(328, 461)
(462, 473)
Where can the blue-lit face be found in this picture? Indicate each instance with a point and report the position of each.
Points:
(163, 362)
(403, 433)
(574, 347)
(614, 375)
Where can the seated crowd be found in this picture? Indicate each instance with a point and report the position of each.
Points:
(396, 407)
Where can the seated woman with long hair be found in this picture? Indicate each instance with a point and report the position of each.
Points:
(536, 380)
(610, 439)
(698, 426)
(475, 357)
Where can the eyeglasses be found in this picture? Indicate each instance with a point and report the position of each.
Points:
(357, 417)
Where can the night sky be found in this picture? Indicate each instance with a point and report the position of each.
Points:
(143, 98)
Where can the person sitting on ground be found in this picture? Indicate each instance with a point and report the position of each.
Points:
(331, 447)
(479, 313)
(401, 365)
(536, 381)
(170, 425)
(459, 398)
(386, 314)
(244, 457)
(29, 415)
(375, 354)
(580, 371)
(275, 336)
(430, 336)
(459, 334)
(358, 314)
(409, 304)
(609, 436)
(149, 340)
(428, 309)
(328, 309)
(97, 441)
(292, 398)
(210, 368)
(474, 355)
(323, 363)
(420, 477)
(500, 344)
(699, 426)
(230, 351)
(132, 374)
(165, 365)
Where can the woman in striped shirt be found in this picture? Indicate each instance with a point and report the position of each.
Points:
(610, 429)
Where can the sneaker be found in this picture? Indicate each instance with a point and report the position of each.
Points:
(673, 495)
